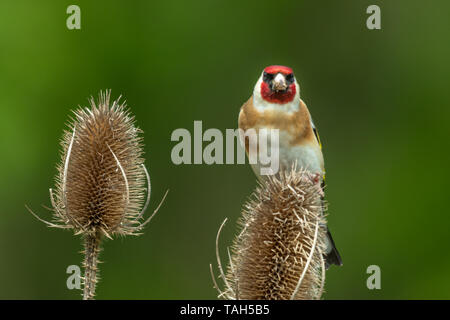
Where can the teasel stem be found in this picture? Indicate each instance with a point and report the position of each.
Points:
(91, 252)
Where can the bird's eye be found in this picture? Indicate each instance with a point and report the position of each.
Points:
(290, 78)
(267, 77)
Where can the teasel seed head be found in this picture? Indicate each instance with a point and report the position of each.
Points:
(278, 254)
(101, 181)
(102, 185)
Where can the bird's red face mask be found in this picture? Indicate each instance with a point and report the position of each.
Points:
(278, 85)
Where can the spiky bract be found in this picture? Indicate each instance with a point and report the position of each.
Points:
(278, 254)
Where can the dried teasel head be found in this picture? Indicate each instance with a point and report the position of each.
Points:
(278, 254)
(102, 185)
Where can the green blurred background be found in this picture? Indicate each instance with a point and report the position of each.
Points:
(380, 99)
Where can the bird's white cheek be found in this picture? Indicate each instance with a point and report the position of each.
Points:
(297, 91)
(257, 92)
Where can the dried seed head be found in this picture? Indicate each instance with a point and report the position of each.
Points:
(101, 180)
(278, 253)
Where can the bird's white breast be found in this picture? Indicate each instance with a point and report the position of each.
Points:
(306, 156)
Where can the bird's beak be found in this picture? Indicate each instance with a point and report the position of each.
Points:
(279, 83)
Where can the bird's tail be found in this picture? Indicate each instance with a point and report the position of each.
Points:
(332, 256)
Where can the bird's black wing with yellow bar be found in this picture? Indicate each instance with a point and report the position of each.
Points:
(332, 255)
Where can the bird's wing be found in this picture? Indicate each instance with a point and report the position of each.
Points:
(245, 120)
(332, 255)
(316, 133)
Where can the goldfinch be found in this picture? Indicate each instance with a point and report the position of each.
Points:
(276, 104)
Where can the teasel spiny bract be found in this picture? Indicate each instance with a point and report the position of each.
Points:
(101, 184)
(278, 254)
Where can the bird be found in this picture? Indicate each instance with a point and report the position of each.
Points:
(276, 104)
